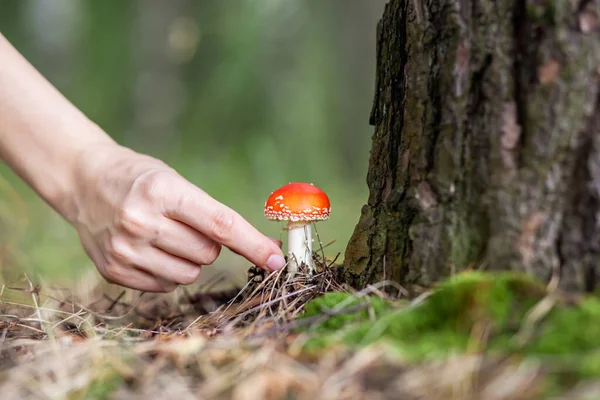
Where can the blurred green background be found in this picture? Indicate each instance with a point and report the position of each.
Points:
(241, 96)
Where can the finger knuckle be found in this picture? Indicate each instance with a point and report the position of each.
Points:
(222, 226)
(260, 252)
(211, 254)
(169, 287)
(158, 231)
(131, 220)
(119, 250)
(178, 203)
(190, 278)
(152, 180)
(112, 273)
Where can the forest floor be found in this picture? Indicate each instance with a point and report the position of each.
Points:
(475, 336)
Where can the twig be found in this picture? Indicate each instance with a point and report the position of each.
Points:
(267, 304)
(533, 316)
(110, 317)
(262, 284)
(34, 290)
(114, 302)
(320, 244)
(334, 260)
(541, 309)
(326, 314)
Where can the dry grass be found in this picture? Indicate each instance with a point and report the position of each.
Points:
(105, 344)
(98, 342)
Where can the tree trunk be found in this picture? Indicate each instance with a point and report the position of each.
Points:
(486, 151)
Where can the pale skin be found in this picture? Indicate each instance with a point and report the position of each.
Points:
(143, 225)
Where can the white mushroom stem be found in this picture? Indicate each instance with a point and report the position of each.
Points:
(299, 245)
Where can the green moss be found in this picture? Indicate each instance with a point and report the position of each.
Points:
(574, 328)
(566, 342)
(335, 301)
(444, 322)
(102, 387)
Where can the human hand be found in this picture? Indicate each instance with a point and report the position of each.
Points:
(143, 225)
(147, 228)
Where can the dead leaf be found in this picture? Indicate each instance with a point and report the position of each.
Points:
(548, 72)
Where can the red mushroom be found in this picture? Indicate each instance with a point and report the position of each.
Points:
(300, 204)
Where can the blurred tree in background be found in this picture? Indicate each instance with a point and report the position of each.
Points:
(240, 96)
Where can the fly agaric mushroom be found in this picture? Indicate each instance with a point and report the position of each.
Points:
(300, 204)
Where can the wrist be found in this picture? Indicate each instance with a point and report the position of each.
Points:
(63, 191)
(103, 173)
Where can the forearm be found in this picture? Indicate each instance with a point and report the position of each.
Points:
(42, 134)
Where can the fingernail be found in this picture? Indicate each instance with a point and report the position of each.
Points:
(275, 262)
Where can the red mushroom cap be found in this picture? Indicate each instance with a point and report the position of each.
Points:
(298, 201)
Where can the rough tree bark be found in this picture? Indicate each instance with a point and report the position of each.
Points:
(486, 150)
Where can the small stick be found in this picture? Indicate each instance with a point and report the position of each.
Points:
(334, 260)
(327, 313)
(268, 303)
(320, 244)
(114, 302)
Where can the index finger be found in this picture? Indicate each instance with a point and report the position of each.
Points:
(197, 209)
